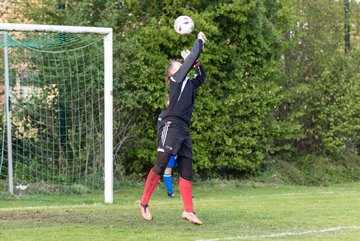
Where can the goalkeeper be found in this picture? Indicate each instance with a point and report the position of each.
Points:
(174, 133)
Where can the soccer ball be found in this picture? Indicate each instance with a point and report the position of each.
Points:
(184, 25)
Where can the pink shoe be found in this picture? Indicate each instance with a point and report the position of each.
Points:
(191, 216)
(145, 211)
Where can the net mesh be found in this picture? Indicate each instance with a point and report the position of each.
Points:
(56, 92)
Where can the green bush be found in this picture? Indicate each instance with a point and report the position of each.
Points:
(314, 170)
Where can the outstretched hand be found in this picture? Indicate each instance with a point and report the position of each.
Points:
(185, 53)
(202, 36)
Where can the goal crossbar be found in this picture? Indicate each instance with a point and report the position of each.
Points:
(108, 87)
(54, 28)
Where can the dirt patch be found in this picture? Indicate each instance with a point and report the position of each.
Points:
(42, 216)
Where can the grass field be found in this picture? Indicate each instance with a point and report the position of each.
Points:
(230, 211)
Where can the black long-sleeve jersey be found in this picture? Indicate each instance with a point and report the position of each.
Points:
(182, 89)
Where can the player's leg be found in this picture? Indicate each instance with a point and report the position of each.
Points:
(168, 180)
(185, 187)
(167, 142)
(151, 182)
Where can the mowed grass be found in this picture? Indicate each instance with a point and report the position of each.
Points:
(230, 211)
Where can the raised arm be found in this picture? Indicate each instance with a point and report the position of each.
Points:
(190, 60)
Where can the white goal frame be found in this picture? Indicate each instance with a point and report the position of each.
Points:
(108, 93)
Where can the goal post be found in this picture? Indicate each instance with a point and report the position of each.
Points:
(106, 116)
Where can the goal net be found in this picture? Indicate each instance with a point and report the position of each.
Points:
(55, 85)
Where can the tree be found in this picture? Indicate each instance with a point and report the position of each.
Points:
(235, 126)
(322, 80)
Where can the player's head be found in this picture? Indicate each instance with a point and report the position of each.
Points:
(171, 69)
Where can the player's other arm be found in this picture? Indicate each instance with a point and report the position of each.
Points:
(199, 76)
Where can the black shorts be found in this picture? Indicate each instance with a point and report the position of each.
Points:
(174, 137)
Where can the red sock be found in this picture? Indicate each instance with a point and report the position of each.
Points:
(186, 194)
(150, 185)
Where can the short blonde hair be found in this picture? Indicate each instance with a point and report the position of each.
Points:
(170, 69)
